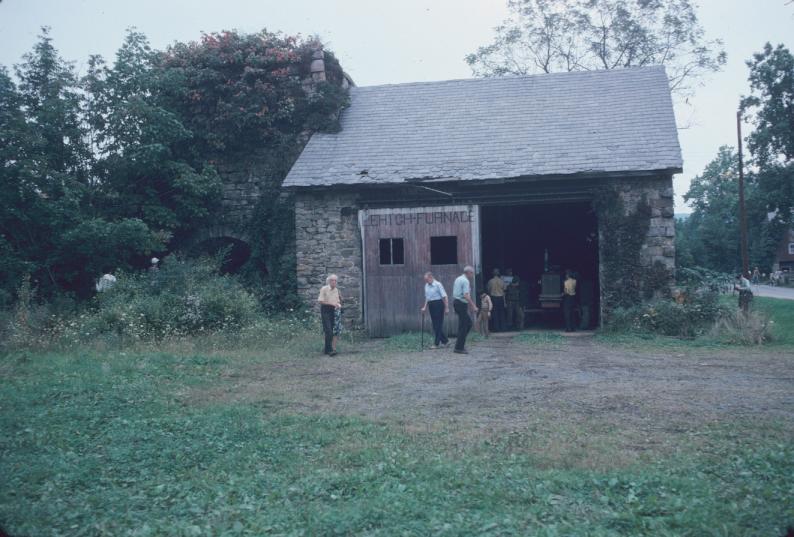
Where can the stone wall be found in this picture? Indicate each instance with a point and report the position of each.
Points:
(328, 240)
(660, 240)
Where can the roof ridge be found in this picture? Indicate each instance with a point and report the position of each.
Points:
(596, 72)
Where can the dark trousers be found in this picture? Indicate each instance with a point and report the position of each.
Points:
(584, 323)
(568, 303)
(515, 315)
(436, 308)
(464, 324)
(745, 299)
(327, 316)
(498, 313)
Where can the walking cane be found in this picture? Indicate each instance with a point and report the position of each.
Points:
(422, 337)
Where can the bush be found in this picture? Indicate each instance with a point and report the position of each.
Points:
(690, 318)
(182, 298)
(739, 328)
(696, 279)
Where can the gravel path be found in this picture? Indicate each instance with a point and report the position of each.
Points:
(506, 382)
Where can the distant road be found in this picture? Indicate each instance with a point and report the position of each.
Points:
(773, 292)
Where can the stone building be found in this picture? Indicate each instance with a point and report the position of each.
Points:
(493, 172)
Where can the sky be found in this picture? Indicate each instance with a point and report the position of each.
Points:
(386, 41)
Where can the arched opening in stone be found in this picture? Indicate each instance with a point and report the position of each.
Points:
(236, 252)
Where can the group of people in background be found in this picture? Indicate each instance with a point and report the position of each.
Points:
(501, 302)
(500, 307)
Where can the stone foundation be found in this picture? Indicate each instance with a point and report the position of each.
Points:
(328, 241)
(658, 192)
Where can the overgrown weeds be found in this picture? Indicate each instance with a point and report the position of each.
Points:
(185, 302)
(740, 328)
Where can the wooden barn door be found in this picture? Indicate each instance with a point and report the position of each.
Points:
(400, 245)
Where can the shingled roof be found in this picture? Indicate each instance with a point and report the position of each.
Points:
(589, 122)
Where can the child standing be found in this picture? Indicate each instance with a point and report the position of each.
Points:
(485, 314)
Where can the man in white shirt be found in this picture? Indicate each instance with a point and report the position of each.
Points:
(463, 303)
(437, 302)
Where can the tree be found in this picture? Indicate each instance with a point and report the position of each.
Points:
(771, 109)
(241, 93)
(48, 184)
(572, 35)
(709, 237)
(140, 170)
(245, 98)
(99, 172)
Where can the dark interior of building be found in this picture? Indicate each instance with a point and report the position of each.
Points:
(539, 239)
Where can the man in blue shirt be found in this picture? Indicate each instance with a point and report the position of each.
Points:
(461, 293)
(437, 302)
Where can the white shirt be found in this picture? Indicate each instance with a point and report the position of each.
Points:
(434, 291)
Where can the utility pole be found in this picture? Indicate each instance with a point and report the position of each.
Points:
(742, 211)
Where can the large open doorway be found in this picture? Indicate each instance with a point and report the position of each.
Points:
(543, 239)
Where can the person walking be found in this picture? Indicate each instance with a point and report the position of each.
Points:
(330, 313)
(461, 294)
(437, 302)
(569, 300)
(756, 276)
(496, 290)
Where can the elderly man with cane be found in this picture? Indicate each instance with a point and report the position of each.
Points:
(330, 301)
(437, 302)
(461, 293)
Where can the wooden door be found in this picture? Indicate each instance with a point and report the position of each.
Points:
(400, 245)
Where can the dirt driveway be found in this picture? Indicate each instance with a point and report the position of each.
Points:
(584, 388)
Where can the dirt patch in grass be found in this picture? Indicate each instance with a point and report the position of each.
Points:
(569, 401)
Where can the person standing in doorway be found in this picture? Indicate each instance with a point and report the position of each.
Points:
(515, 310)
(463, 303)
(569, 300)
(586, 300)
(496, 290)
(437, 302)
(330, 313)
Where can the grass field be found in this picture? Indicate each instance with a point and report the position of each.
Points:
(117, 443)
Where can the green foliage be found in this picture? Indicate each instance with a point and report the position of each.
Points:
(181, 298)
(692, 318)
(244, 97)
(109, 444)
(95, 246)
(772, 141)
(625, 280)
(52, 227)
(102, 171)
(239, 93)
(771, 80)
(142, 167)
(709, 237)
(566, 35)
(693, 280)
